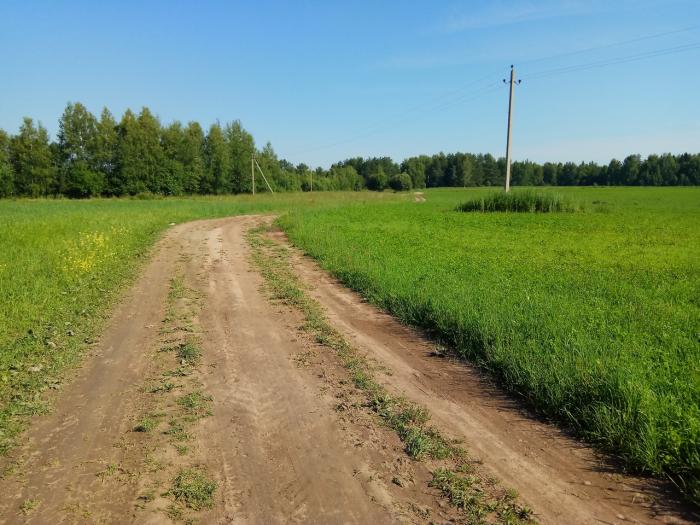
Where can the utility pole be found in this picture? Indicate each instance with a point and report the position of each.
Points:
(512, 83)
(252, 171)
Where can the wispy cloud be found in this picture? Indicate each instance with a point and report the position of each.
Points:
(447, 42)
(507, 12)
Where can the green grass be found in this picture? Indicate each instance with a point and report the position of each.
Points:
(466, 491)
(177, 430)
(521, 201)
(147, 423)
(29, 505)
(189, 352)
(196, 404)
(593, 318)
(62, 265)
(193, 488)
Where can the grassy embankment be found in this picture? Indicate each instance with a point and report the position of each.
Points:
(592, 317)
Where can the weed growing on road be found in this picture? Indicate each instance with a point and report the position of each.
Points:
(188, 352)
(193, 488)
(161, 387)
(177, 430)
(29, 505)
(466, 491)
(146, 423)
(196, 405)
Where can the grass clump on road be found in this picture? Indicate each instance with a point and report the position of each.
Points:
(193, 488)
(177, 431)
(188, 352)
(465, 491)
(147, 423)
(410, 423)
(522, 201)
(196, 404)
(28, 506)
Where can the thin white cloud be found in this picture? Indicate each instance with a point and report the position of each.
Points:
(507, 12)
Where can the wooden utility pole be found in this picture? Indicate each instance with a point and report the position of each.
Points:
(512, 83)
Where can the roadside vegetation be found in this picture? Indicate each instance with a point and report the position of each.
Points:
(480, 497)
(592, 318)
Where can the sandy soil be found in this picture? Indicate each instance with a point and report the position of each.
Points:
(284, 441)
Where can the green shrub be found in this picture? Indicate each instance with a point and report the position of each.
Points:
(400, 182)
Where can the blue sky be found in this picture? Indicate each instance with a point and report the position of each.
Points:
(326, 80)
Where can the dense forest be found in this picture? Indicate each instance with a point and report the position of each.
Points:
(138, 155)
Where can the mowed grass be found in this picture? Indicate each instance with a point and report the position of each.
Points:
(62, 265)
(592, 317)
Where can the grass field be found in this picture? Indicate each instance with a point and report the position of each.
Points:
(593, 317)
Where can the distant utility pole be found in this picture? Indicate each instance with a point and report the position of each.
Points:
(510, 124)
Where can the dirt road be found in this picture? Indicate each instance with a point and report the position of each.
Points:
(258, 413)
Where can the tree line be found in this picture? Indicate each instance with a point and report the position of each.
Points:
(466, 169)
(104, 157)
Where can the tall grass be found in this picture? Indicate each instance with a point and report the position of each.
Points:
(520, 201)
(593, 319)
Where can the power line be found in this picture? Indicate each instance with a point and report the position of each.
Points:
(394, 122)
(430, 106)
(614, 61)
(608, 46)
(382, 124)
